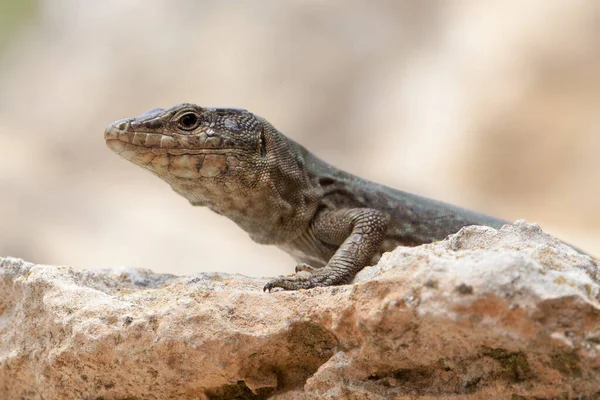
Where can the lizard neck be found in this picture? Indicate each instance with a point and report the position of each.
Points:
(280, 197)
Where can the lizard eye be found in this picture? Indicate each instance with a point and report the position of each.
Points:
(188, 121)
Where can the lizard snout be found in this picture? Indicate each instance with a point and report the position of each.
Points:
(113, 130)
(118, 134)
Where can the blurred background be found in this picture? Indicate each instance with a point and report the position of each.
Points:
(494, 106)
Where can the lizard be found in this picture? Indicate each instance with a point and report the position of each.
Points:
(237, 164)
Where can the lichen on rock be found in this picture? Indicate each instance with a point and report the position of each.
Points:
(509, 313)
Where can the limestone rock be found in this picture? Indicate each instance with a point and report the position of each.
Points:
(507, 314)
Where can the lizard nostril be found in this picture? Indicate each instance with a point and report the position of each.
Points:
(122, 125)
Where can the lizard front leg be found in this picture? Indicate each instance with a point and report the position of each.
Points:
(358, 231)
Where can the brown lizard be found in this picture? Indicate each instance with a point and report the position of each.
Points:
(237, 164)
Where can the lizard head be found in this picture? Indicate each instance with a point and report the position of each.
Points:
(228, 159)
(190, 146)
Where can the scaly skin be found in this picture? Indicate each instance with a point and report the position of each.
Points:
(240, 166)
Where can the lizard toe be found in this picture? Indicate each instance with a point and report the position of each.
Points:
(305, 267)
(289, 283)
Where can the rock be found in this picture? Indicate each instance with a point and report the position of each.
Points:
(507, 314)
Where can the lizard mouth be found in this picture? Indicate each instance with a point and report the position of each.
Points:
(165, 155)
(120, 147)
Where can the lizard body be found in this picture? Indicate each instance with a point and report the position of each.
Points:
(237, 164)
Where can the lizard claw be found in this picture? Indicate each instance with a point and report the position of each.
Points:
(269, 286)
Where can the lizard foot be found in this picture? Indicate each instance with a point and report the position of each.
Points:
(315, 277)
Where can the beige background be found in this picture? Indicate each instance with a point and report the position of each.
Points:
(490, 105)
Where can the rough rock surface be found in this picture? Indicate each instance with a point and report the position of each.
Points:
(508, 314)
